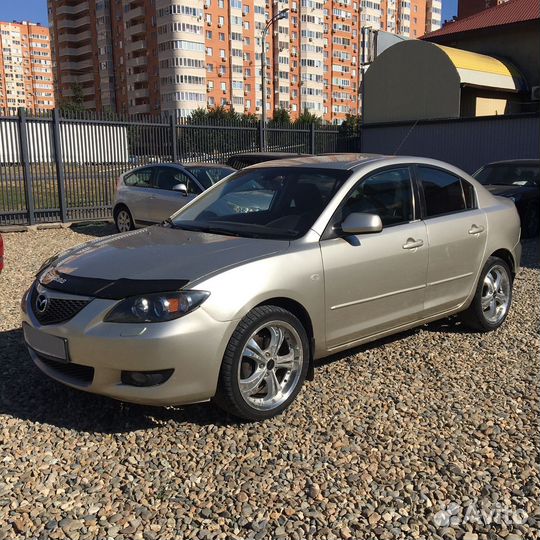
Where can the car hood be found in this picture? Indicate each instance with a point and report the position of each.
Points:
(509, 191)
(150, 260)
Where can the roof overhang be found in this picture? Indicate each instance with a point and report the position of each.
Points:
(484, 71)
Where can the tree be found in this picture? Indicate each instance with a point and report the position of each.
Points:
(351, 125)
(281, 116)
(308, 118)
(218, 141)
(74, 104)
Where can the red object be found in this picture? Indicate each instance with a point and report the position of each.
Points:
(1, 253)
(511, 12)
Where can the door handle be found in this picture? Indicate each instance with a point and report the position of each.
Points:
(475, 229)
(413, 244)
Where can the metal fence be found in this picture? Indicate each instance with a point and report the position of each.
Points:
(63, 168)
(467, 143)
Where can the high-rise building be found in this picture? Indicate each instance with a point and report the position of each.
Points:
(148, 56)
(470, 7)
(26, 75)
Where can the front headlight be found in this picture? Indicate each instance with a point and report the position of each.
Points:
(161, 307)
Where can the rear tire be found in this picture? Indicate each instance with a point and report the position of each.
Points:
(265, 364)
(123, 219)
(492, 299)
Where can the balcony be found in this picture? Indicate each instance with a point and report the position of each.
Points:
(75, 51)
(136, 62)
(77, 66)
(140, 93)
(135, 13)
(136, 29)
(75, 38)
(64, 23)
(140, 109)
(137, 77)
(133, 46)
(80, 7)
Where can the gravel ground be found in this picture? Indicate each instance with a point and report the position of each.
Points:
(430, 434)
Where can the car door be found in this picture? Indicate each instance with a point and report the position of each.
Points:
(164, 200)
(375, 282)
(456, 231)
(135, 192)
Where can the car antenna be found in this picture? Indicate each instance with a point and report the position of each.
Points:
(405, 138)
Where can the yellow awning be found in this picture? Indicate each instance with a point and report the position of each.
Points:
(482, 70)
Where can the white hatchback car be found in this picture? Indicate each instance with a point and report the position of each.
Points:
(150, 194)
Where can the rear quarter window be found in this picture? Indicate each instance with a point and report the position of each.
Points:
(140, 178)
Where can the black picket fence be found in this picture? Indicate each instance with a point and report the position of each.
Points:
(60, 168)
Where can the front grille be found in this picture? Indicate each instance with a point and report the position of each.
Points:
(56, 310)
(83, 375)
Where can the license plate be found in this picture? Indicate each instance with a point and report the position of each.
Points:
(46, 344)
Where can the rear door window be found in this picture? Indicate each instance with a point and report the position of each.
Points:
(444, 193)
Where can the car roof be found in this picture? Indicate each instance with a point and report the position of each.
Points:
(268, 154)
(515, 162)
(208, 165)
(324, 161)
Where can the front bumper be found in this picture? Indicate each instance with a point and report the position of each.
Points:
(193, 346)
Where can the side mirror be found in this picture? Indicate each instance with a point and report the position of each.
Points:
(359, 223)
(182, 188)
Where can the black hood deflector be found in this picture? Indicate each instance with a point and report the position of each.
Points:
(108, 288)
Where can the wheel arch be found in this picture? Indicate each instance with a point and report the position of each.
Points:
(300, 312)
(507, 257)
(118, 206)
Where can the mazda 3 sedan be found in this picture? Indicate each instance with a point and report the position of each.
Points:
(234, 297)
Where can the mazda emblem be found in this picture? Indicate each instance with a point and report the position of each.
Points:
(42, 303)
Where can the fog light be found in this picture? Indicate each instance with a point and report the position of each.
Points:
(146, 378)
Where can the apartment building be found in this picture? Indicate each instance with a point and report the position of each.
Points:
(466, 8)
(26, 76)
(149, 56)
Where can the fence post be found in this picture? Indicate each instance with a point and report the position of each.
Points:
(312, 138)
(261, 136)
(59, 161)
(174, 139)
(27, 173)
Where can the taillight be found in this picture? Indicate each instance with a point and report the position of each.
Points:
(1, 254)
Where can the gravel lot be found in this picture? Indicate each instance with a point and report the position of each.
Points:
(430, 434)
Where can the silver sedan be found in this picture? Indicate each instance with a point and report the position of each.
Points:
(234, 297)
(149, 194)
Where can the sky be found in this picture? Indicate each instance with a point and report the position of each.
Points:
(449, 9)
(36, 10)
(24, 10)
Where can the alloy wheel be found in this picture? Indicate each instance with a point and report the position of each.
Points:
(271, 365)
(495, 294)
(123, 221)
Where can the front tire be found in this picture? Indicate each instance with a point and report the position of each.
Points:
(492, 299)
(123, 219)
(265, 364)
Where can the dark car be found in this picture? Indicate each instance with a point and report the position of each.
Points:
(240, 161)
(518, 180)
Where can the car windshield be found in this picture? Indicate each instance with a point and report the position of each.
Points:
(208, 176)
(509, 175)
(273, 202)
